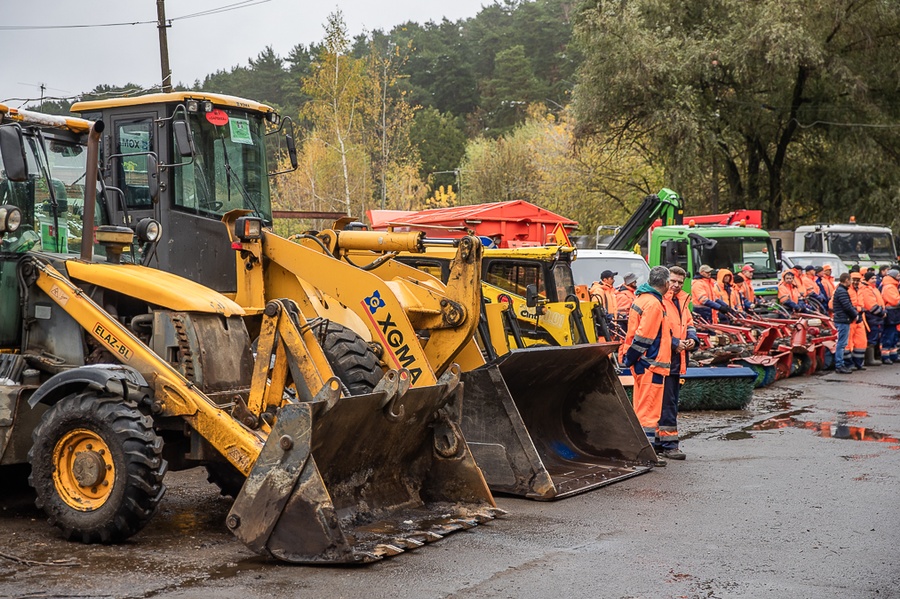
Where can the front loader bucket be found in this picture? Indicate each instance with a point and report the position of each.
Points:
(549, 422)
(362, 478)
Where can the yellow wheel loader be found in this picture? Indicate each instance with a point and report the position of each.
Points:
(413, 321)
(112, 372)
(561, 423)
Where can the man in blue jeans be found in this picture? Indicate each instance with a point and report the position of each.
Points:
(844, 314)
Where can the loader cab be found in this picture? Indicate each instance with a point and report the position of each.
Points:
(43, 175)
(49, 187)
(211, 157)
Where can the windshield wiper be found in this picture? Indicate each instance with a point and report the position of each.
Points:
(231, 174)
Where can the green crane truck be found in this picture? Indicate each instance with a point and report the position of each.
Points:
(691, 245)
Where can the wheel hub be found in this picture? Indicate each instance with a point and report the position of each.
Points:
(83, 471)
(89, 469)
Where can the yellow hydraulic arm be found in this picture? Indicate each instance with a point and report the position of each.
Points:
(174, 395)
(393, 309)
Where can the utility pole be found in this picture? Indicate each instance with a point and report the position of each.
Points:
(163, 45)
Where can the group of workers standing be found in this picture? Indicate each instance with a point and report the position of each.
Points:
(865, 306)
(866, 312)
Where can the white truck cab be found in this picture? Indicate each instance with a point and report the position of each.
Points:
(866, 245)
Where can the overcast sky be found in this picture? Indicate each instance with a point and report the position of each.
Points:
(70, 61)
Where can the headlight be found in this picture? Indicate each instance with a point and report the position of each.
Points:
(10, 219)
(148, 230)
(247, 228)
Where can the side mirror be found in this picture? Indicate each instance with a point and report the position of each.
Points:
(183, 139)
(153, 177)
(12, 150)
(778, 255)
(287, 125)
(292, 149)
(531, 296)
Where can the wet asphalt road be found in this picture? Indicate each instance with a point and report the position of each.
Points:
(797, 496)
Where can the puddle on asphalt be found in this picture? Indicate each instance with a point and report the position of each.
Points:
(840, 428)
(232, 569)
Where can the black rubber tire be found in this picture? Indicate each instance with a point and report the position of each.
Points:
(136, 453)
(353, 362)
(351, 358)
(225, 476)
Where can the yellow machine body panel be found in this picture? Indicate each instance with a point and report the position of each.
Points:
(154, 287)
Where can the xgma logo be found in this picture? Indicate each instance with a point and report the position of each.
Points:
(373, 302)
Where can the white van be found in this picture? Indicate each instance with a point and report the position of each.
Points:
(588, 265)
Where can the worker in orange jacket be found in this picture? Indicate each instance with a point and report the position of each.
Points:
(625, 295)
(857, 342)
(747, 287)
(826, 282)
(789, 292)
(604, 293)
(647, 350)
(705, 295)
(684, 339)
(873, 306)
(890, 293)
(812, 290)
(728, 291)
(739, 283)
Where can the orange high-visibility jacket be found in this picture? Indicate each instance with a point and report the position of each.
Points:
(703, 289)
(870, 296)
(747, 290)
(889, 292)
(828, 284)
(809, 284)
(732, 298)
(649, 333)
(605, 295)
(681, 321)
(787, 291)
(624, 299)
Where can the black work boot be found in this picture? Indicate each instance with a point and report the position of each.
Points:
(870, 356)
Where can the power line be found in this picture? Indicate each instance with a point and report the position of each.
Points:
(211, 11)
(110, 94)
(833, 124)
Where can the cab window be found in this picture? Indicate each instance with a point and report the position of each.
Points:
(515, 277)
(56, 171)
(133, 140)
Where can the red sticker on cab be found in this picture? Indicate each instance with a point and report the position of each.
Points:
(217, 117)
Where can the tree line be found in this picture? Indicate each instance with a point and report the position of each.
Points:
(584, 107)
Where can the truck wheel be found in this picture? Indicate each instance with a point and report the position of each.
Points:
(352, 359)
(97, 468)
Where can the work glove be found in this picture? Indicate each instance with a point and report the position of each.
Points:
(858, 318)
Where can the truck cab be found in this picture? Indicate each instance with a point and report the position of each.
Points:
(728, 247)
(865, 245)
